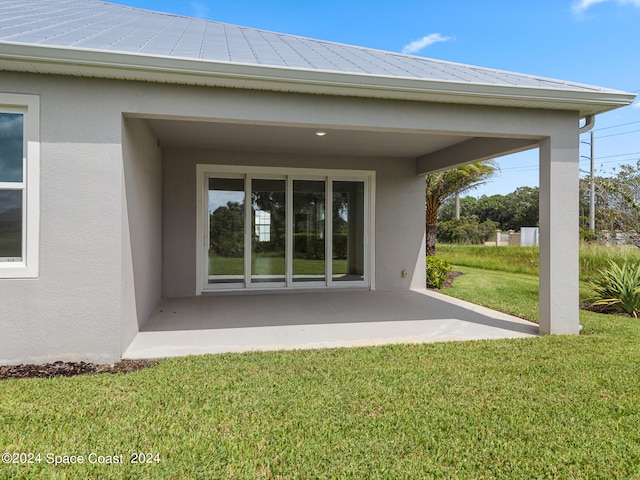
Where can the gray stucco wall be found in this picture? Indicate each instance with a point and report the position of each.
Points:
(99, 274)
(141, 225)
(100, 240)
(72, 310)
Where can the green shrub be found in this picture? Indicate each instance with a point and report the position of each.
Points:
(340, 246)
(587, 235)
(437, 272)
(618, 287)
(308, 246)
(466, 230)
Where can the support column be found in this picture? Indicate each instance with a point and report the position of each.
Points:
(559, 237)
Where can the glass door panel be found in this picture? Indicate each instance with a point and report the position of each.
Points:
(226, 231)
(308, 231)
(348, 231)
(268, 234)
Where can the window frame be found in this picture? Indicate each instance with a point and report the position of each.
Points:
(29, 107)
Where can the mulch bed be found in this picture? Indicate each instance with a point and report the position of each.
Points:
(70, 369)
(605, 310)
(451, 276)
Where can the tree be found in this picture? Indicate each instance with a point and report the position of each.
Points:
(517, 209)
(617, 200)
(226, 239)
(491, 208)
(522, 207)
(446, 211)
(442, 185)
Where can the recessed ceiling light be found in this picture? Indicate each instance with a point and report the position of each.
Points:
(321, 133)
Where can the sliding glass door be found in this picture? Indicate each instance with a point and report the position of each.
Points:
(287, 231)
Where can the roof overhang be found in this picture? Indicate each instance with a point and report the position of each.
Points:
(148, 68)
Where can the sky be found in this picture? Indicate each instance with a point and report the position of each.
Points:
(594, 42)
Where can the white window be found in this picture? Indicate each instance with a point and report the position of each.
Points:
(263, 226)
(19, 185)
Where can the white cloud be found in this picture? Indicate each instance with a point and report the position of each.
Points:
(200, 9)
(580, 6)
(424, 42)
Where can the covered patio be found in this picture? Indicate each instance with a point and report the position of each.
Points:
(330, 319)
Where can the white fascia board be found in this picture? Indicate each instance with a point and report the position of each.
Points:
(129, 66)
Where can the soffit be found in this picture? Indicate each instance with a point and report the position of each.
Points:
(296, 140)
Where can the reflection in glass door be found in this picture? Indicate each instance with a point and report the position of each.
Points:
(268, 234)
(348, 242)
(308, 231)
(265, 231)
(226, 231)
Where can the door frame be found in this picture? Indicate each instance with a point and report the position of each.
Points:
(206, 171)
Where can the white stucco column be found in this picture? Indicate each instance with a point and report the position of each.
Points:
(559, 238)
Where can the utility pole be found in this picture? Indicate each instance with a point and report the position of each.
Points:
(592, 195)
(592, 183)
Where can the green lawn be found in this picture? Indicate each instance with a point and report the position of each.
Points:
(266, 265)
(593, 258)
(513, 293)
(548, 407)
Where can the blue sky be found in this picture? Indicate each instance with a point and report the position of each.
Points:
(589, 41)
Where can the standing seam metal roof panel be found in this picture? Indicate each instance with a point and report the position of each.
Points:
(103, 26)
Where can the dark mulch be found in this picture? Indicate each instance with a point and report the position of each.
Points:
(604, 309)
(70, 369)
(451, 276)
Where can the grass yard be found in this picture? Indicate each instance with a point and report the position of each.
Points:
(593, 258)
(513, 293)
(266, 265)
(548, 407)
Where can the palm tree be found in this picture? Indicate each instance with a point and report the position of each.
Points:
(444, 184)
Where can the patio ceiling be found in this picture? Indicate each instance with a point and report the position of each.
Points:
(292, 139)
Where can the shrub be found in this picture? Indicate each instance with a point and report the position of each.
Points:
(437, 272)
(466, 230)
(587, 235)
(340, 246)
(618, 287)
(308, 245)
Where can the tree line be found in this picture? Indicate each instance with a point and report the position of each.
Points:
(617, 205)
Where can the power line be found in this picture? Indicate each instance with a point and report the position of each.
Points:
(619, 155)
(535, 167)
(615, 126)
(616, 134)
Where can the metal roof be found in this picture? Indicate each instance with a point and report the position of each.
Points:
(60, 27)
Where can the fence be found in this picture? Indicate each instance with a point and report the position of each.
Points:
(527, 237)
(617, 237)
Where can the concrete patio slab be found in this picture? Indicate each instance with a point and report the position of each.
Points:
(241, 323)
